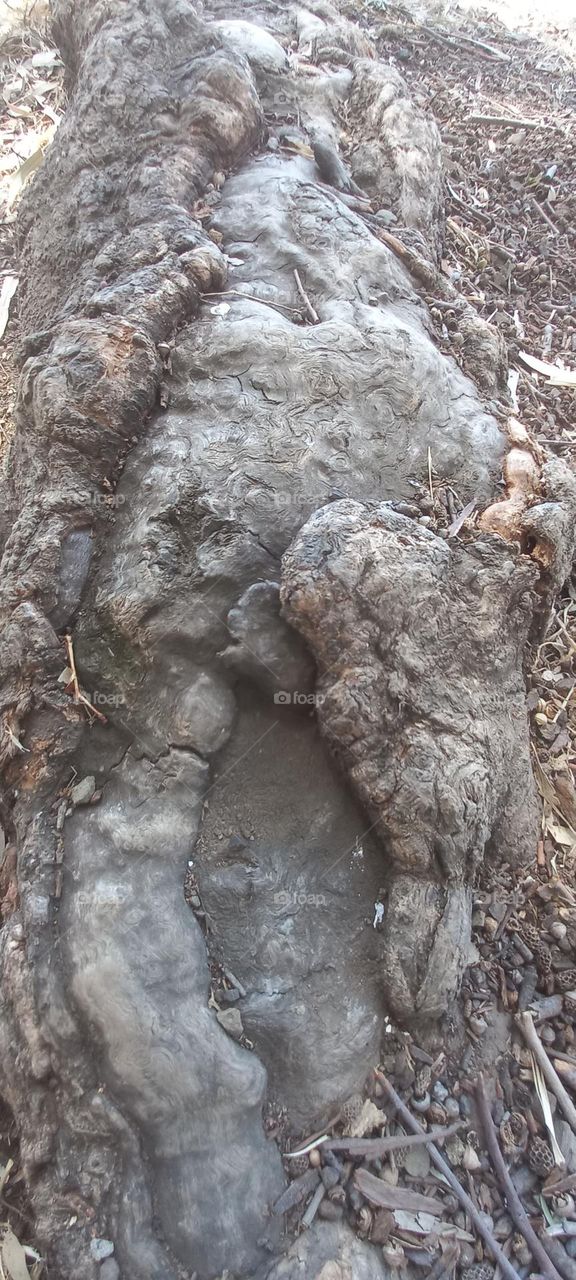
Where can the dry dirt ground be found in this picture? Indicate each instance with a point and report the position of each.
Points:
(500, 81)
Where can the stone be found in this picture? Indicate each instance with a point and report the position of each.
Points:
(82, 792)
(231, 1020)
(101, 1249)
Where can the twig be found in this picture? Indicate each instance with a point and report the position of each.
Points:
(315, 318)
(545, 216)
(526, 1024)
(460, 41)
(515, 1206)
(250, 297)
(564, 1184)
(375, 1147)
(430, 484)
(467, 1204)
(508, 120)
(78, 695)
(470, 209)
(560, 1258)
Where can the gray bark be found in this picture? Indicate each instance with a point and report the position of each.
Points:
(160, 516)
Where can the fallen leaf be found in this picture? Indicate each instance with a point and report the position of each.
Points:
(557, 376)
(9, 287)
(465, 514)
(561, 834)
(386, 1197)
(23, 174)
(12, 1257)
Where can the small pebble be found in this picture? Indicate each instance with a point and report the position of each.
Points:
(330, 1177)
(439, 1091)
(452, 1108)
(315, 1159)
(558, 930)
(232, 1022)
(101, 1249)
(407, 509)
(478, 1025)
(83, 791)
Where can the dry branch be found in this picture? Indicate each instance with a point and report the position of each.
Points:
(513, 1201)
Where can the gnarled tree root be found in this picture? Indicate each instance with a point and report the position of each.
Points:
(419, 645)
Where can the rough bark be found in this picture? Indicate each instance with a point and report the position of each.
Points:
(165, 230)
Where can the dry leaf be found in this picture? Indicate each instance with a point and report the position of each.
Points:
(566, 795)
(9, 287)
(386, 1197)
(561, 834)
(12, 1257)
(558, 377)
(29, 167)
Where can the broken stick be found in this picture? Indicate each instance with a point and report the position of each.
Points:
(515, 1206)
